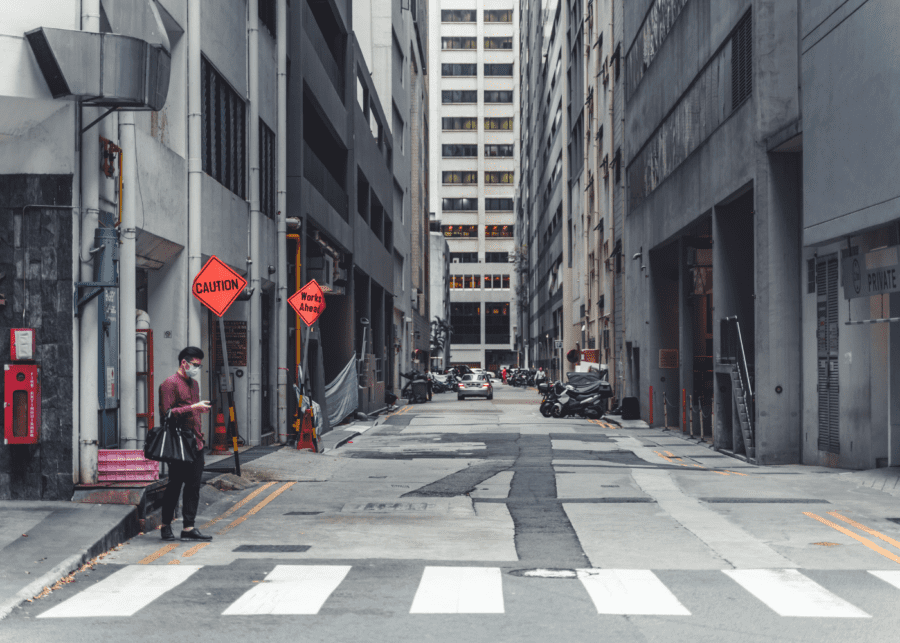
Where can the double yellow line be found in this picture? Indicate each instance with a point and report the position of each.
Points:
(671, 458)
(605, 425)
(862, 539)
(256, 508)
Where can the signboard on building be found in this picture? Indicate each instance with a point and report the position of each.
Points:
(217, 286)
(235, 342)
(308, 302)
(880, 278)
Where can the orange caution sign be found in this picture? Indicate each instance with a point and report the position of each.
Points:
(309, 302)
(217, 286)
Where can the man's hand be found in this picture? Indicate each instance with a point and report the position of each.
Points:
(203, 406)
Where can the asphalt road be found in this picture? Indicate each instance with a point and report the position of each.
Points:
(482, 521)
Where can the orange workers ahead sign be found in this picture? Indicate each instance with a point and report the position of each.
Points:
(217, 286)
(309, 302)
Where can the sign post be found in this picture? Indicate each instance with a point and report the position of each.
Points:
(217, 286)
(308, 303)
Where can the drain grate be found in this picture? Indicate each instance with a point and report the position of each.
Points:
(775, 501)
(272, 549)
(303, 513)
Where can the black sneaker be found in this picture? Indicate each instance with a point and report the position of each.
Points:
(166, 532)
(194, 534)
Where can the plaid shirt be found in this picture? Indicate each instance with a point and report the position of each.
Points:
(177, 393)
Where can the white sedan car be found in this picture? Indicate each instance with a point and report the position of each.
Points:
(475, 385)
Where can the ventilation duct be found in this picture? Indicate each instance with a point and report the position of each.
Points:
(102, 69)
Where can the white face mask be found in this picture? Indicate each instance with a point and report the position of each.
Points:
(193, 372)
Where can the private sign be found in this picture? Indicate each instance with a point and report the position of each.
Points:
(217, 286)
(309, 302)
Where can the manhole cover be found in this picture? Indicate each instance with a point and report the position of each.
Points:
(272, 549)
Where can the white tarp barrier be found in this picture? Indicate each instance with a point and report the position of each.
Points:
(341, 394)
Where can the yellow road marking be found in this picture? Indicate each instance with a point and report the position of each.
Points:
(162, 551)
(862, 527)
(239, 505)
(175, 562)
(738, 473)
(193, 550)
(257, 507)
(865, 541)
(670, 454)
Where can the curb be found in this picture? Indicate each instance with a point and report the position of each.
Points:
(345, 440)
(125, 529)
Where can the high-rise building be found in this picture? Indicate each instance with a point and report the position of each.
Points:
(474, 84)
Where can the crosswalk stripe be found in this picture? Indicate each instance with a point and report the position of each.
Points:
(892, 577)
(291, 589)
(630, 591)
(790, 593)
(459, 590)
(124, 592)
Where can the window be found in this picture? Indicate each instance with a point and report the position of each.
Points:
(497, 151)
(458, 15)
(464, 205)
(465, 318)
(449, 151)
(223, 127)
(458, 69)
(469, 231)
(498, 123)
(267, 15)
(497, 69)
(498, 15)
(267, 171)
(459, 96)
(468, 178)
(496, 323)
(496, 282)
(502, 205)
(456, 282)
(741, 62)
(500, 177)
(463, 257)
(502, 231)
(496, 96)
(496, 257)
(459, 123)
(504, 42)
(472, 282)
(458, 43)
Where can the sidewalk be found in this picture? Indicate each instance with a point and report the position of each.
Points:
(43, 541)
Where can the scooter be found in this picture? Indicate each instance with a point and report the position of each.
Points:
(550, 393)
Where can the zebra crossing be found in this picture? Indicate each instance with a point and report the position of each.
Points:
(306, 589)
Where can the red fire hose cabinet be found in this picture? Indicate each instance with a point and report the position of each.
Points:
(21, 404)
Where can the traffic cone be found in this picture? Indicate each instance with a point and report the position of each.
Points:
(307, 437)
(220, 441)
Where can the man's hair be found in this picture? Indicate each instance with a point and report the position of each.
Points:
(189, 353)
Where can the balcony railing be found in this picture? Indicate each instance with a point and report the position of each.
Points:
(333, 69)
(322, 180)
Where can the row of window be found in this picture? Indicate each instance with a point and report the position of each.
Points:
(450, 96)
(471, 151)
(470, 123)
(471, 178)
(471, 231)
(473, 282)
(471, 205)
(471, 15)
(471, 69)
(464, 42)
(472, 257)
(465, 317)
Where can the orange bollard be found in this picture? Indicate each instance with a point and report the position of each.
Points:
(220, 440)
(306, 439)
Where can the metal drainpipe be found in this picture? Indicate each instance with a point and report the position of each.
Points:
(76, 321)
(281, 325)
(90, 207)
(195, 170)
(254, 380)
(127, 287)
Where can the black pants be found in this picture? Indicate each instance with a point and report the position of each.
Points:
(189, 475)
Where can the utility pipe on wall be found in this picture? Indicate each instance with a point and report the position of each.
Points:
(281, 324)
(87, 344)
(195, 170)
(255, 331)
(127, 287)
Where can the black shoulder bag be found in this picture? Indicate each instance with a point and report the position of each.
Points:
(170, 442)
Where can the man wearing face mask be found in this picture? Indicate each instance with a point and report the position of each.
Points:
(180, 394)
